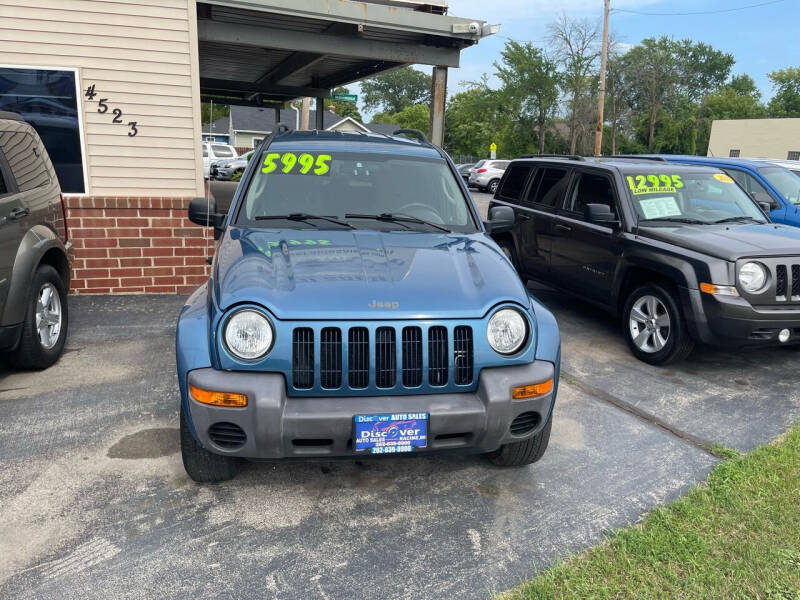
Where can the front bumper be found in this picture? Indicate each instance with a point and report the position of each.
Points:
(278, 426)
(734, 322)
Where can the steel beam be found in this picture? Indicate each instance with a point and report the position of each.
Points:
(319, 114)
(323, 43)
(367, 14)
(438, 102)
(208, 85)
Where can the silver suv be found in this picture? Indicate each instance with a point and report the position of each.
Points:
(34, 264)
(485, 177)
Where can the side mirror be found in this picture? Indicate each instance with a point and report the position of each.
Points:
(766, 207)
(763, 198)
(203, 211)
(599, 213)
(501, 218)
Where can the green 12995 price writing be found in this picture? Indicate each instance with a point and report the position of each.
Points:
(289, 163)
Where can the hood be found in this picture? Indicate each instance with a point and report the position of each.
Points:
(353, 274)
(730, 241)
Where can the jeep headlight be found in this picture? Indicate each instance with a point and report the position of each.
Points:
(248, 334)
(507, 330)
(752, 277)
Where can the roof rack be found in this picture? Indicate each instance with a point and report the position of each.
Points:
(636, 157)
(565, 156)
(415, 133)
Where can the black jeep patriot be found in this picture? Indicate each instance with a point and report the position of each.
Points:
(679, 253)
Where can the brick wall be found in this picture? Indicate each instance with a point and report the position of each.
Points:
(136, 246)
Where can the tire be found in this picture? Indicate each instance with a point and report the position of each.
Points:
(655, 345)
(200, 464)
(33, 351)
(507, 246)
(492, 187)
(519, 454)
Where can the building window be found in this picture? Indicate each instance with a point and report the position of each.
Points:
(48, 100)
(211, 138)
(794, 155)
(256, 141)
(735, 153)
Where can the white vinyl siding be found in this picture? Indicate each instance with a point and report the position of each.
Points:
(142, 56)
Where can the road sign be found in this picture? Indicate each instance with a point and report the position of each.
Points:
(493, 149)
(345, 97)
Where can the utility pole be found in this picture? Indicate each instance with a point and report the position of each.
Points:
(304, 114)
(601, 88)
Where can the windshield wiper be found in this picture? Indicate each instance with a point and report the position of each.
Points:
(739, 218)
(685, 220)
(302, 217)
(396, 218)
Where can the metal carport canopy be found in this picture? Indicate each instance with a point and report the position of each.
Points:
(265, 52)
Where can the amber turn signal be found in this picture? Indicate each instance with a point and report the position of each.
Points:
(718, 290)
(532, 390)
(228, 399)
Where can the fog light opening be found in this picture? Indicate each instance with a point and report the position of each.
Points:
(784, 335)
(532, 390)
(227, 399)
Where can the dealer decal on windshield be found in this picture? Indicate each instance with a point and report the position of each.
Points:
(654, 184)
(289, 163)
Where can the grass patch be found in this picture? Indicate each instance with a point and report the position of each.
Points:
(736, 536)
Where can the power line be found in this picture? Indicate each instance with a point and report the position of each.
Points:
(699, 12)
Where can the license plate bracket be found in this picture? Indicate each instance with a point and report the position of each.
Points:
(391, 433)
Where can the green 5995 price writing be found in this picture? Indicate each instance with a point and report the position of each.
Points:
(291, 163)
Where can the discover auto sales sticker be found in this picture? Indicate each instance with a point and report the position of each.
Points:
(391, 433)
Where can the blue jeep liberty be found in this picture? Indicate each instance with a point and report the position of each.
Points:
(358, 306)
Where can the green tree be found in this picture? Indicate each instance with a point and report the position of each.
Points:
(416, 116)
(738, 99)
(220, 110)
(786, 101)
(474, 119)
(530, 87)
(576, 48)
(397, 89)
(342, 108)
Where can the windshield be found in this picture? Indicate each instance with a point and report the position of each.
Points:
(664, 196)
(785, 181)
(341, 185)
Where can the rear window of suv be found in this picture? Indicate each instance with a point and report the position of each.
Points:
(549, 187)
(222, 151)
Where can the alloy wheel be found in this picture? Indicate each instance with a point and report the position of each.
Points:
(649, 324)
(48, 315)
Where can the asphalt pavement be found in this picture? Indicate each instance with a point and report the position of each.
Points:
(94, 502)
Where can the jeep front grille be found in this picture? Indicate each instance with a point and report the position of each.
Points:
(787, 282)
(303, 358)
(330, 358)
(350, 365)
(412, 356)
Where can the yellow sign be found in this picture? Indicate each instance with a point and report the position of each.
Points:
(307, 164)
(493, 147)
(723, 178)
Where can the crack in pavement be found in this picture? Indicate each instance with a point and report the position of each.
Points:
(649, 418)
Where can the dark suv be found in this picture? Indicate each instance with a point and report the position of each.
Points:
(681, 253)
(34, 265)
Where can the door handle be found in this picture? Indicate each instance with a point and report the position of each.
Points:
(560, 227)
(18, 213)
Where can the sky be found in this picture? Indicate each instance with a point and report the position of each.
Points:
(761, 39)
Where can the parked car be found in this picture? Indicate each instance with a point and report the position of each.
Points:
(477, 165)
(765, 182)
(487, 176)
(359, 307)
(464, 170)
(680, 252)
(213, 152)
(226, 170)
(792, 165)
(34, 264)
